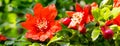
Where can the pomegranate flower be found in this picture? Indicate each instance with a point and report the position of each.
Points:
(80, 17)
(2, 38)
(42, 25)
(113, 21)
(116, 3)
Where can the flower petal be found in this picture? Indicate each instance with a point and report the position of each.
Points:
(52, 11)
(81, 26)
(116, 3)
(55, 27)
(29, 16)
(109, 22)
(78, 8)
(117, 20)
(70, 13)
(37, 9)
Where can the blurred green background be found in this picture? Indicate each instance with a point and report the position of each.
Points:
(12, 13)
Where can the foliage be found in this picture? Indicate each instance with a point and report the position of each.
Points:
(12, 13)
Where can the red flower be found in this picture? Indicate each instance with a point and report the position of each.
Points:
(109, 22)
(42, 25)
(117, 20)
(2, 38)
(80, 17)
(116, 3)
(113, 21)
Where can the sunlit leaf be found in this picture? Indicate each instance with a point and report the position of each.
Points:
(1, 3)
(12, 17)
(106, 2)
(96, 13)
(63, 43)
(55, 38)
(105, 12)
(6, 1)
(95, 34)
(35, 44)
(25, 43)
(115, 12)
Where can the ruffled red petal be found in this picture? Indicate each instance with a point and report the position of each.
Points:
(38, 9)
(117, 20)
(29, 23)
(53, 12)
(116, 3)
(78, 8)
(70, 13)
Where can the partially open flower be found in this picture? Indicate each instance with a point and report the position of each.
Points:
(80, 17)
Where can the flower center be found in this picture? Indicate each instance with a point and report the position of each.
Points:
(77, 17)
(42, 24)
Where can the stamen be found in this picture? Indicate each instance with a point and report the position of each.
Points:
(42, 24)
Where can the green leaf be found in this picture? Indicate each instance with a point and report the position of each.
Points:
(55, 38)
(63, 43)
(53, 2)
(14, 3)
(12, 18)
(0, 16)
(95, 34)
(115, 12)
(30, 0)
(101, 23)
(6, 1)
(9, 42)
(1, 3)
(35, 44)
(25, 43)
(91, 25)
(105, 12)
(96, 13)
(106, 2)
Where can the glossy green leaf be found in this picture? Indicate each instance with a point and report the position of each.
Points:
(0, 16)
(35, 44)
(9, 42)
(96, 13)
(95, 34)
(6, 1)
(105, 12)
(55, 38)
(63, 43)
(115, 12)
(1, 3)
(91, 25)
(105, 2)
(12, 18)
(25, 43)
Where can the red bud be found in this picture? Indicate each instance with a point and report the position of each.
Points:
(66, 21)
